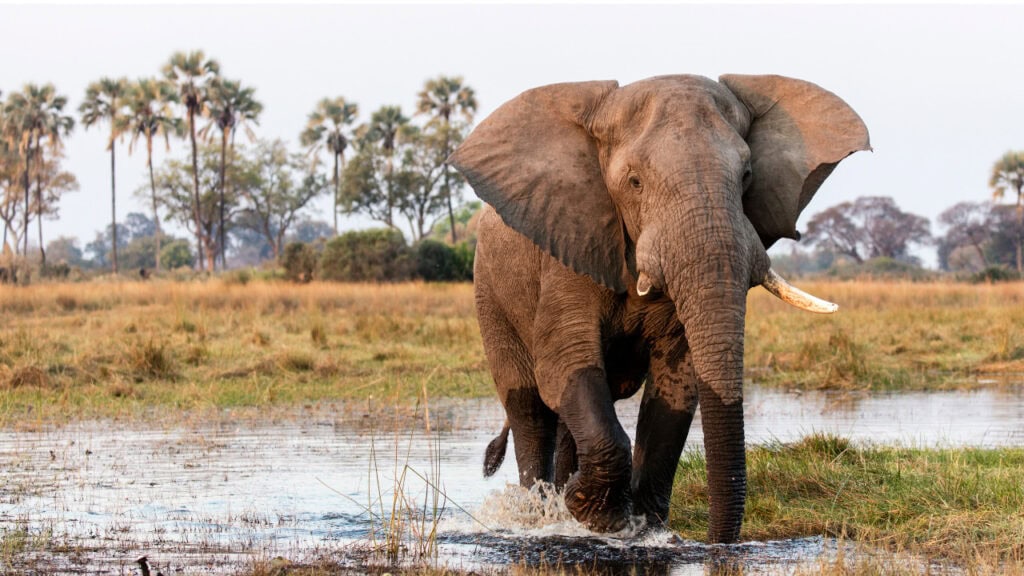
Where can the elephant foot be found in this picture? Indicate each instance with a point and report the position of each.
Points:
(653, 508)
(599, 507)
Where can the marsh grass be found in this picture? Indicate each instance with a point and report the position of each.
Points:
(110, 349)
(123, 349)
(960, 505)
(888, 336)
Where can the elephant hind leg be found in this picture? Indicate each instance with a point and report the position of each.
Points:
(530, 421)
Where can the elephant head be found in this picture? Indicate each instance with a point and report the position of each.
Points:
(677, 185)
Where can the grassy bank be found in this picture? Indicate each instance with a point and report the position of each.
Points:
(121, 349)
(889, 335)
(964, 506)
(110, 349)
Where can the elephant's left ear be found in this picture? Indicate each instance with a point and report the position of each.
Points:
(798, 134)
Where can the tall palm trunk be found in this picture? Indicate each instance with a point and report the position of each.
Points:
(447, 181)
(39, 204)
(390, 182)
(113, 202)
(195, 183)
(152, 188)
(1020, 230)
(337, 191)
(24, 230)
(223, 169)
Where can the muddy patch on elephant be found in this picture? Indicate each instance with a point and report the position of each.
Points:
(214, 494)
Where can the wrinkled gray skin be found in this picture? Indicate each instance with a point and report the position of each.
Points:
(680, 179)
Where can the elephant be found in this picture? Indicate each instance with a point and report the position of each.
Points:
(624, 226)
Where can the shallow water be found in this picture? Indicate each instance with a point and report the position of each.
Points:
(210, 496)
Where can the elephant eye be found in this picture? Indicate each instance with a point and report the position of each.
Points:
(747, 175)
(635, 183)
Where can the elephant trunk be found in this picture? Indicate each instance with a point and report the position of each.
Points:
(707, 276)
(714, 331)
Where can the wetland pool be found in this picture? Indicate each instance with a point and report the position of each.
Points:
(214, 494)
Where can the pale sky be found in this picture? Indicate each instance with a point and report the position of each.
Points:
(939, 86)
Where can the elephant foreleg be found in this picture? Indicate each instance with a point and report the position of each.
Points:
(565, 455)
(598, 493)
(666, 411)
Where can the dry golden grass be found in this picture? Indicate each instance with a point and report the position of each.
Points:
(122, 348)
(889, 335)
(118, 349)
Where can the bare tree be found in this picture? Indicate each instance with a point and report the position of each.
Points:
(968, 225)
(868, 227)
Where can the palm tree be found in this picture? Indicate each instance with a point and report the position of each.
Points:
(326, 126)
(1008, 174)
(150, 114)
(192, 73)
(33, 115)
(442, 97)
(386, 125)
(105, 101)
(230, 106)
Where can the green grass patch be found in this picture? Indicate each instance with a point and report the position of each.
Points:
(961, 505)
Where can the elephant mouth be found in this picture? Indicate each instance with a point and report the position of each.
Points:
(774, 284)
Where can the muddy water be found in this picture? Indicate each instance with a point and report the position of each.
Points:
(215, 494)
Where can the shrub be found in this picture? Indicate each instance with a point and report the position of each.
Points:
(176, 254)
(880, 268)
(994, 274)
(376, 255)
(299, 262)
(466, 253)
(58, 271)
(437, 262)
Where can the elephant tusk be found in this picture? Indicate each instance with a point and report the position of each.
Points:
(790, 294)
(643, 284)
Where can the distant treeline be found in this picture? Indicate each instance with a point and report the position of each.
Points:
(238, 199)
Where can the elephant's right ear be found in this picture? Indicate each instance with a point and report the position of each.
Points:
(535, 161)
(798, 134)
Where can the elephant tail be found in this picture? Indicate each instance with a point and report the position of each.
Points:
(495, 453)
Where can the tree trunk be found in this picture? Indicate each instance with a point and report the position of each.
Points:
(152, 187)
(195, 183)
(337, 192)
(24, 230)
(447, 182)
(981, 254)
(113, 204)
(39, 206)
(223, 168)
(211, 248)
(390, 180)
(275, 241)
(1020, 231)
